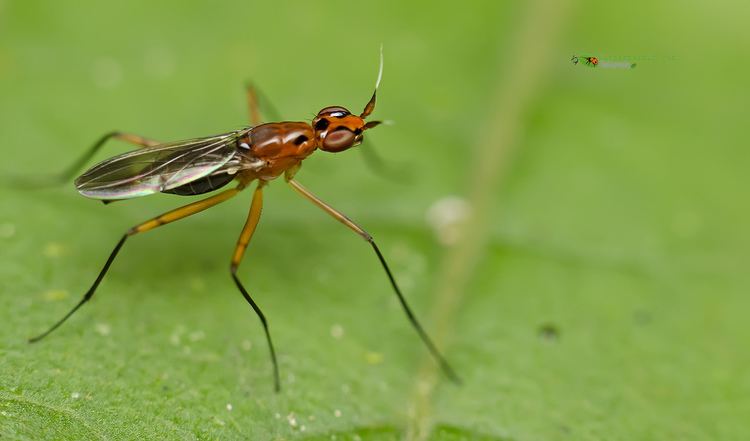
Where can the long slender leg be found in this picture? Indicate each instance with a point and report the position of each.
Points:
(252, 104)
(68, 173)
(366, 236)
(239, 252)
(257, 100)
(163, 219)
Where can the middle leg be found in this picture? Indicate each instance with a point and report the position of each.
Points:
(239, 252)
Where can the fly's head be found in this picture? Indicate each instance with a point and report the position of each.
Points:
(337, 129)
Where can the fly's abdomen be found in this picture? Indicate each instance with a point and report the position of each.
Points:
(202, 185)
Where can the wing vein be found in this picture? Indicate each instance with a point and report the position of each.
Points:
(159, 168)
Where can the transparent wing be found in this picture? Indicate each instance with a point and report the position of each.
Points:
(158, 168)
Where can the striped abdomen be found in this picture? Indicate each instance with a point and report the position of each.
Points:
(202, 185)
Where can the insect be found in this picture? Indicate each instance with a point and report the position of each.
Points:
(590, 61)
(258, 153)
(596, 62)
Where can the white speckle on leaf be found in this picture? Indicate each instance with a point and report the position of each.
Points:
(446, 217)
(246, 345)
(4, 413)
(219, 422)
(107, 73)
(277, 415)
(337, 413)
(75, 395)
(7, 230)
(302, 428)
(291, 419)
(197, 336)
(103, 329)
(357, 438)
(229, 407)
(337, 331)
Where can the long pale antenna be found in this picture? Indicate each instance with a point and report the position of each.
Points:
(380, 69)
(377, 164)
(371, 104)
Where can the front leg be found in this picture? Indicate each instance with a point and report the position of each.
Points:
(366, 236)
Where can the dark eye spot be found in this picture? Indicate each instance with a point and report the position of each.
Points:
(322, 124)
(300, 139)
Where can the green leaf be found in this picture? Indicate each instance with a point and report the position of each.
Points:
(595, 287)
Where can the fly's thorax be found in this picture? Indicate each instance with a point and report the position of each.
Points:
(271, 149)
(282, 140)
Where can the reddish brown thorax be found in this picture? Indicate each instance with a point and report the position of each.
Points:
(270, 149)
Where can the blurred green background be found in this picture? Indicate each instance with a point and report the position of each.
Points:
(598, 289)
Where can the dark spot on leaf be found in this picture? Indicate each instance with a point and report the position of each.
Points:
(548, 331)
